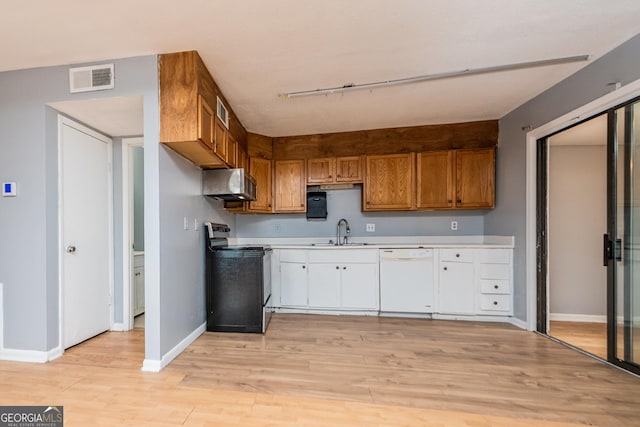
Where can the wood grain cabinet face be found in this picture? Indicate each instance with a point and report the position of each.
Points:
(232, 151)
(435, 180)
(290, 186)
(260, 170)
(475, 178)
(349, 169)
(389, 182)
(221, 135)
(321, 171)
(205, 122)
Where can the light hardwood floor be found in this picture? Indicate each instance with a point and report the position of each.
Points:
(590, 337)
(334, 371)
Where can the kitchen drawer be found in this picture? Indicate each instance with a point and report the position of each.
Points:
(494, 271)
(456, 255)
(343, 256)
(288, 255)
(494, 256)
(500, 303)
(495, 286)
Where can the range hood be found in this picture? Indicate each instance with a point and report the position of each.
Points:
(228, 184)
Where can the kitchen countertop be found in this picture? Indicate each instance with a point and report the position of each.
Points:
(381, 242)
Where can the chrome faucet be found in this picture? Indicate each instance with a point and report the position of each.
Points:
(347, 229)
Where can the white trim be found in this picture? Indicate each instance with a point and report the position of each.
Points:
(587, 318)
(619, 96)
(119, 327)
(65, 121)
(30, 356)
(127, 233)
(157, 365)
(518, 323)
(53, 354)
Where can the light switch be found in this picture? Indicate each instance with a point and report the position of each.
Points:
(9, 189)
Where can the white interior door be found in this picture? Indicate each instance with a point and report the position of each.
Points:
(85, 232)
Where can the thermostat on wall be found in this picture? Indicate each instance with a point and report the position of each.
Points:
(9, 189)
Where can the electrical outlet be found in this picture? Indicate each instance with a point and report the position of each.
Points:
(371, 228)
(454, 225)
(195, 224)
(186, 223)
(278, 227)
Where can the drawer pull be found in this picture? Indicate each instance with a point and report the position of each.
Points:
(457, 255)
(337, 267)
(445, 269)
(495, 286)
(495, 303)
(304, 266)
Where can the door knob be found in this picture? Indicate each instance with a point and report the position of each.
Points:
(71, 249)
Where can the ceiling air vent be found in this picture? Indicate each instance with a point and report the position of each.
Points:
(96, 77)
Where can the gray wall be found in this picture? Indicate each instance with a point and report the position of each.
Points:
(137, 159)
(182, 295)
(592, 82)
(174, 268)
(29, 222)
(577, 220)
(348, 204)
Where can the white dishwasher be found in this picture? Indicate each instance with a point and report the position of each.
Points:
(406, 280)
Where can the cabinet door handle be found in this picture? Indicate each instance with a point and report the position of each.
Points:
(339, 176)
(495, 303)
(459, 200)
(304, 266)
(449, 201)
(445, 269)
(330, 176)
(344, 268)
(495, 286)
(337, 267)
(301, 205)
(457, 255)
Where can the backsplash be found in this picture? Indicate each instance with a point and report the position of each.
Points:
(347, 204)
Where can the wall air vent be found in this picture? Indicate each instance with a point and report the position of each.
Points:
(95, 77)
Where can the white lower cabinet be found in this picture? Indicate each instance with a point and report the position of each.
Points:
(293, 278)
(494, 282)
(138, 284)
(329, 279)
(324, 286)
(456, 287)
(468, 282)
(359, 286)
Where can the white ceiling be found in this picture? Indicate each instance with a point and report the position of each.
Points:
(257, 49)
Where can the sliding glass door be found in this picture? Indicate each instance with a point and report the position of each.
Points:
(622, 243)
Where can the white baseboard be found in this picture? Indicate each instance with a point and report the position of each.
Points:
(55, 353)
(118, 327)
(150, 365)
(589, 318)
(31, 356)
(518, 323)
(472, 318)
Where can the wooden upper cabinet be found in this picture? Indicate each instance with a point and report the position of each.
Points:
(205, 123)
(475, 178)
(260, 170)
(349, 169)
(241, 158)
(389, 182)
(435, 180)
(290, 186)
(221, 136)
(188, 121)
(232, 151)
(331, 170)
(321, 171)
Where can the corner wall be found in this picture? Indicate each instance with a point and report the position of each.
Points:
(592, 82)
